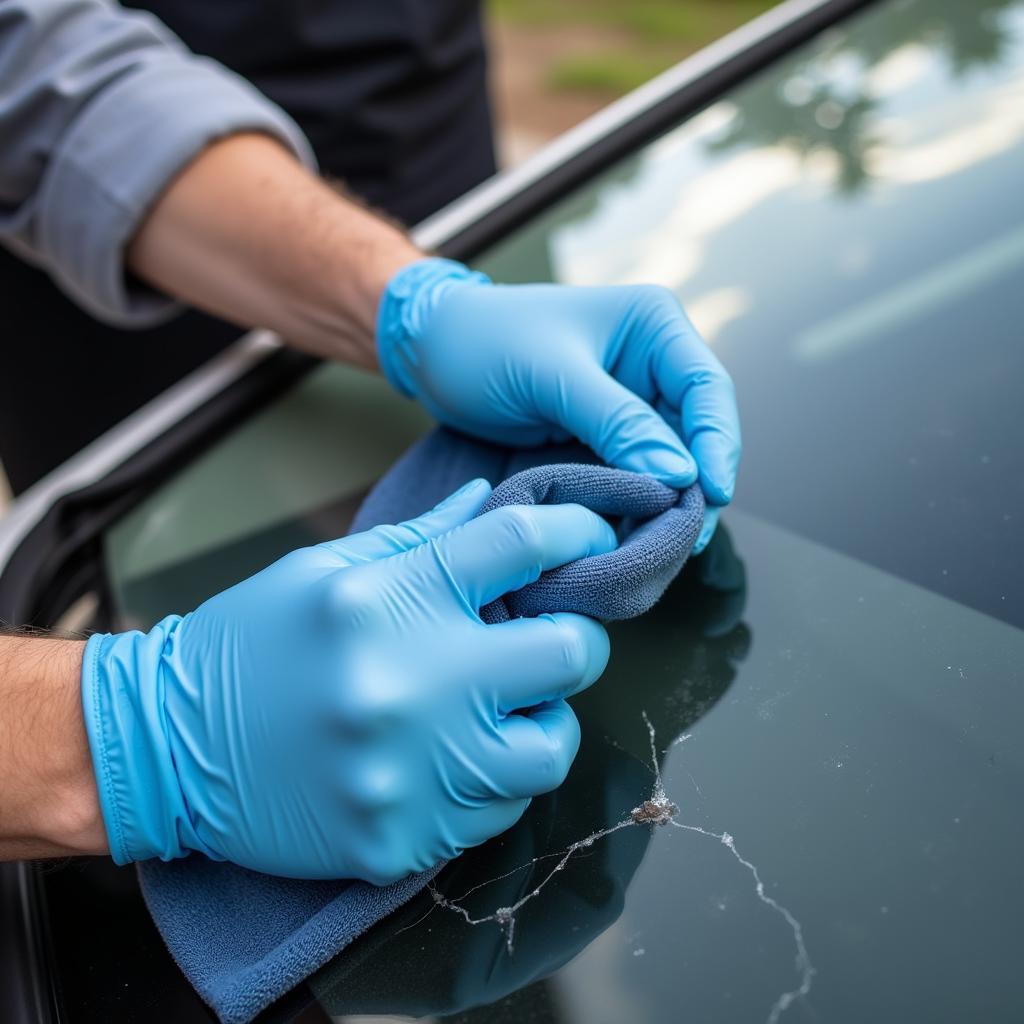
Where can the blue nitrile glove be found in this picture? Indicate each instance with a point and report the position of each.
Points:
(620, 368)
(344, 713)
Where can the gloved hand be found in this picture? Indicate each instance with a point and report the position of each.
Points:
(344, 712)
(620, 368)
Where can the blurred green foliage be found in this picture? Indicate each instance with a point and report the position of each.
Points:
(695, 21)
(652, 35)
(613, 73)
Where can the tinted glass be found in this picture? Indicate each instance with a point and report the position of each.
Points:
(848, 232)
(834, 689)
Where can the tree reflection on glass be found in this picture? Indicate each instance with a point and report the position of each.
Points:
(825, 105)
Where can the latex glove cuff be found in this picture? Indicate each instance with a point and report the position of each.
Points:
(408, 301)
(144, 810)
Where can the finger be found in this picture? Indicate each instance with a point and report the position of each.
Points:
(622, 428)
(694, 382)
(382, 541)
(711, 512)
(475, 825)
(707, 531)
(538, 750)
(530, 661)
(385, 854)
(509, 547)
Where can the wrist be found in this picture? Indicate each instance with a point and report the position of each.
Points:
(408, 301)
(48, 802)
(124, 680)
(357, 278)
(249, 234)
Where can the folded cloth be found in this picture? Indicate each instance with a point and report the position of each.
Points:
(658, 526)
(242, 938)
(625, 582)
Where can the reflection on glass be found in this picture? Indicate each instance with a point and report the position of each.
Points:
(846, 230)
(830, 101)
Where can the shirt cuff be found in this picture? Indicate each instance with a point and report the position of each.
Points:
(122, 152)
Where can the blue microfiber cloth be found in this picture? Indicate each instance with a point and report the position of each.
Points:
(242, 938)
(625, 582)
(658, 526)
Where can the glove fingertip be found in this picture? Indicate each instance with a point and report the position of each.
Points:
(468, 492)
(718, 457)
(707, 531)
(718, 489)
(458, 508)
(674, 469)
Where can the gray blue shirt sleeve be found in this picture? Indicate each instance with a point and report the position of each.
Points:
(99, 108)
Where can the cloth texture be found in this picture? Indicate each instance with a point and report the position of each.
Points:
(657, 525)
(244, 939)
(660, 528)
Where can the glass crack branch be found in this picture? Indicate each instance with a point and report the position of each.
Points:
(656, 810)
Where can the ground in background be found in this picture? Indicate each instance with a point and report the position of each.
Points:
(554, 64)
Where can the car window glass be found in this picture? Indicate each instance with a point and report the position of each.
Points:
(835, 687)
(847, 231)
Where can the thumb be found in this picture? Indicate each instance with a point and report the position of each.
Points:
(623, 429)
(384, 541)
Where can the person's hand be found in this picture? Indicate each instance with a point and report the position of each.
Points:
(620, 368)
(345, 712)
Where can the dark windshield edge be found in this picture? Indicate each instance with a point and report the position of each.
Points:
(27, 981)
(34, 585)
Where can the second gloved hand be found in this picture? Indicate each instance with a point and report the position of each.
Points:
(620, 368)
(344, 713)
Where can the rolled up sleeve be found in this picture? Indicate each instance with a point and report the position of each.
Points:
(99, 109)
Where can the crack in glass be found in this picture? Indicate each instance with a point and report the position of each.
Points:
(655, 811)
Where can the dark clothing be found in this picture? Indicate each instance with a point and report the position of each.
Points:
(392, 96)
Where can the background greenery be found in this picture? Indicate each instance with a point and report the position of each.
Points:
(643, 36)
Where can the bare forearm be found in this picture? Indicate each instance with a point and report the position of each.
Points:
(249, 234)
(48, 801)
